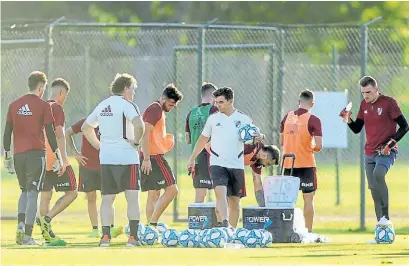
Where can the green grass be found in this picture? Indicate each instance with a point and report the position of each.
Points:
(340, 223)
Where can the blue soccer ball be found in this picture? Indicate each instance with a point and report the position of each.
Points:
(149, 237)
(240, 236)
(141, 229)
(170, 238)
(229, 233)
(202, 238)
(247, 133)
(267, 238)
(188, 238)
(161, 227)
(384, 235)
(254, 239)
(216, 238)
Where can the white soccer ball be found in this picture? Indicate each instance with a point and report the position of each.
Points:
(188, 238)
(267, 240)
(150, 236)
(202, 238)
(161, 227)
(384, 235)
(247, 132)
(229, 233)
(216, 238)
(254, 239)
(170, 238)
(240, 236)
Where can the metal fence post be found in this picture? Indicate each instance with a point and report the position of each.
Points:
(364, 63)
(334, 88)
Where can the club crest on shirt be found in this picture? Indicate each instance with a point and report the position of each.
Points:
(379, 111)
(237, 123)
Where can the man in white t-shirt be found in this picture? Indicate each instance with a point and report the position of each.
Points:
(121, 129)
(226, 158)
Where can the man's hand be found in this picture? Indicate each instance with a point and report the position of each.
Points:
(385, 149)
(9, 163)
(146, 166)
(346, 115)
(59, 165)
(259, 138)
(191, 166)
(81, 159)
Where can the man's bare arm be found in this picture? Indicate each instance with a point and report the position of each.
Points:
(90, 135)
(139, 129)
(146, 140)
(318, 143)
(69, 138)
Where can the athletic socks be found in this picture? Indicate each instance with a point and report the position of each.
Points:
(21, 218)
(133, 226)
(29, 230)
(106, 230)
(153, 224)
(95, 228)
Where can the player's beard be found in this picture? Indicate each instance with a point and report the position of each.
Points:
(164, 107)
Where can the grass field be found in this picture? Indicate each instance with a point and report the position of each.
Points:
(340, 223)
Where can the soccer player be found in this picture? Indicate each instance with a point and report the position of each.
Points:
(89, 176)
(195, 121)
(121, 129)
(380, 114)
(26, 119)
(301, 134)
(226, 159)
(64, 181)
(258, 156)
(156, 172)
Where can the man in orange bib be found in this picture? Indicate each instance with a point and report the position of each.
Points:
(156, 142)
(301, 134)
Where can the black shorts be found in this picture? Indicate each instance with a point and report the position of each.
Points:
(161, 176)
(30, 169)
(201, 176)
(89, 180)
(308, 178)
(118, 178)
(66, 182)
(233, 179)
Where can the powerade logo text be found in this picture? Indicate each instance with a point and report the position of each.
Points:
(256, 222)
(196, 221)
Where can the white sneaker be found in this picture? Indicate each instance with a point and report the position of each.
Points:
(383, 222)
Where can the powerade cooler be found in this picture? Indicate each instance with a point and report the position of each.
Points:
(201, 213)
(280, 194)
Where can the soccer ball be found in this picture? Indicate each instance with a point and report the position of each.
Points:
(240, 236)
(384, 235)
(141, 228)
(170, 238)
(254, 239)
(229, 234)
(267, 240)
(188, 239)
(247, 133)
(216, 238)
(149, 237)
(202, 238)
(161, 227)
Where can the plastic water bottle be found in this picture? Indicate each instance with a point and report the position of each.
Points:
(233, 245)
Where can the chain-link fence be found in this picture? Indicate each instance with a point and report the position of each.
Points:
(266, 66)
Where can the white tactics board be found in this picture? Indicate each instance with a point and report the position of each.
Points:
(327, 107)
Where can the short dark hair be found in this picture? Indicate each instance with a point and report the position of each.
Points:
(171, 92)
(307, 95)
(227, 92)
(35, 78)
(368, 80)
(121, 82)
(61, 82)
(207, 87)
(273, 152)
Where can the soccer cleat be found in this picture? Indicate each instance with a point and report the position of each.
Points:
(116, 231)
(383, 222)
(132, 242)
(55, 242)
(225, 223)
(29, 241)
(105, 241)
(20, 233)
(45, 229)
(95, 234)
